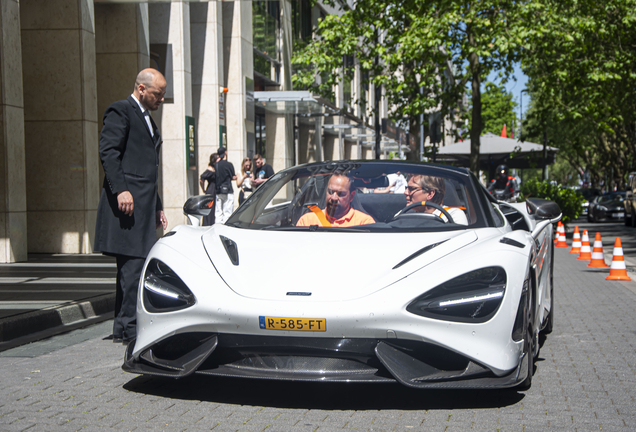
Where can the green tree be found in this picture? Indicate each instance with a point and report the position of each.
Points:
(438, 46)
(498, 108)
(581, 58)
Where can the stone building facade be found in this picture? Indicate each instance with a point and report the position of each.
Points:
(62, 62)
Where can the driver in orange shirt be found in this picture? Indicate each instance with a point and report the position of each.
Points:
(338, 211)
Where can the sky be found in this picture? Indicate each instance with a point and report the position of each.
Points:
(515, 87)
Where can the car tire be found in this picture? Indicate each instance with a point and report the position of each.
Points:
(528, 343)
(628, 220)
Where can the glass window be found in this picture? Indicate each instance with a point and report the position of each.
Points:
(369, 196)
(265, 25)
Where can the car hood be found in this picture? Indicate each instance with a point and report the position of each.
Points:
(328, 265)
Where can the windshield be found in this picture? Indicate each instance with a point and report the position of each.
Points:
(373, 196)
(612, 196)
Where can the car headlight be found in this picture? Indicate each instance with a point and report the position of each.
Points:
(472, 297)
(164, 291)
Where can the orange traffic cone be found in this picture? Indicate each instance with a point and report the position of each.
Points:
(561, 233)
(576, 241)
(598, 259)
(618, 271)
(586, 252)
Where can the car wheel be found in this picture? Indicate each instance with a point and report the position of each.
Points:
(628, 220)
(528, 343)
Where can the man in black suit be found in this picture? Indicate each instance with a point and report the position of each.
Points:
(130, 209)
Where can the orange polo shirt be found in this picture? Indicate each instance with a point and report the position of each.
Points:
(352, 218)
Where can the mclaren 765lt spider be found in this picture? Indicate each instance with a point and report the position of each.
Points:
(353, 271)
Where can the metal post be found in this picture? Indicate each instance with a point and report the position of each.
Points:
(521, 113)
(545, 156)
(421, 130)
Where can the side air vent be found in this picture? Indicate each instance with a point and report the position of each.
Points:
(416, 254)
(231, 249)
(512, 242)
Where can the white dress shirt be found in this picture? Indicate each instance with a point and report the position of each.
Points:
(146, 114)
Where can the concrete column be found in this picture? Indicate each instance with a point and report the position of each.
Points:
(206, 30)
(122, 50)
(13, 218)
(280, 128)
(238, 71)
(170, 24)
(60, 116)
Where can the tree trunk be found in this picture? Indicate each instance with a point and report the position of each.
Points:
(475, 130)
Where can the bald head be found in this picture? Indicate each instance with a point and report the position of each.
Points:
(150, 87)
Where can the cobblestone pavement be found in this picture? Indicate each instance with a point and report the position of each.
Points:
(584, 381)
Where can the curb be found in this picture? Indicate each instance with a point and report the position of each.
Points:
(28, 327)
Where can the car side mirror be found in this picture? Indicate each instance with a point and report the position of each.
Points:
(198, 206)
(542, 209)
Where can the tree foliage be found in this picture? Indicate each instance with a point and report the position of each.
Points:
(580, 56)
(498, 108)
(438, 46)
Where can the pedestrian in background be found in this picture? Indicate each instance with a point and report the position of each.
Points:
(224, 190)
(209, 176)
(130, 209)
(263, 170)
(244, 180)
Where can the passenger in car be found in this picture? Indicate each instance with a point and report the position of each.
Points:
(429, 188)
(338, 211)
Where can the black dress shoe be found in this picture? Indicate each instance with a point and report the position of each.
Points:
(118, 340)
(109, 337)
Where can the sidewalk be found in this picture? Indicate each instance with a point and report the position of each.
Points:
(51, 294)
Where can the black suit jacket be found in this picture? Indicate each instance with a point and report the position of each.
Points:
(130, 157)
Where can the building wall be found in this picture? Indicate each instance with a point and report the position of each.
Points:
(60, 112)
(62, 62)
(170, 25)
(13, 218)
(206, 30)
(238, 70)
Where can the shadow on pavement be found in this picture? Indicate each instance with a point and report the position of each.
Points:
(305, 395)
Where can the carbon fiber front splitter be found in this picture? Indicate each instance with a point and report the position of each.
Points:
(413, 364)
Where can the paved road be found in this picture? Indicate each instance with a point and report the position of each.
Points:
(584, 381)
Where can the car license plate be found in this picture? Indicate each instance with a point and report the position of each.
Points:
(292, 324)
(620, 214)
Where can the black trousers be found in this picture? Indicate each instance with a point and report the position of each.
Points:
(128, 274)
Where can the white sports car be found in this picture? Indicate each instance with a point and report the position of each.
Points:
(326, 274)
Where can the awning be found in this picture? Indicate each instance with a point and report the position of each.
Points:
(495, 150)
(301, 103)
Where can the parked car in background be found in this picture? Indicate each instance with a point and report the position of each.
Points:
(607, 207)
(589, 195)
(630, 201)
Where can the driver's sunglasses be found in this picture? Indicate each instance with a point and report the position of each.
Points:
(413, 189)
(341, 194)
